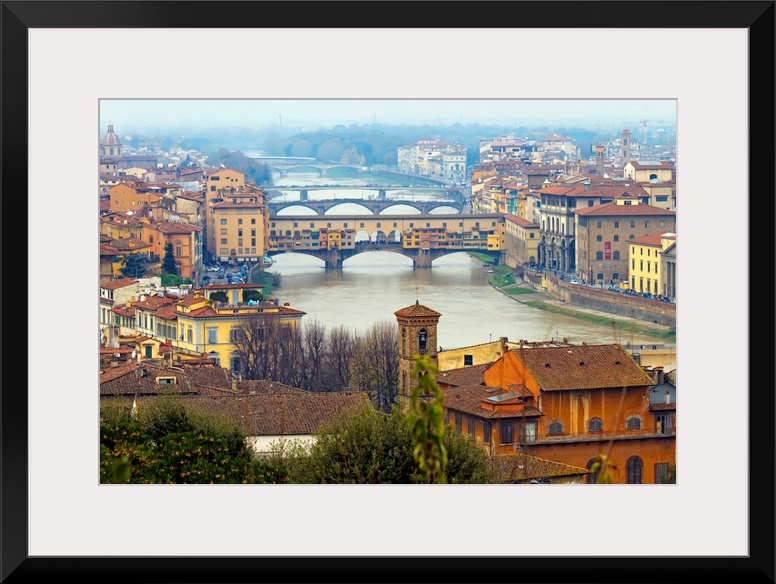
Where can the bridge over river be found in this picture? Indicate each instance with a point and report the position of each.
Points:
(422, 238)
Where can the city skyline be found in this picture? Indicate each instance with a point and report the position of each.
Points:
(131, 114)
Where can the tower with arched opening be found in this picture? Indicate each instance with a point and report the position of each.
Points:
(417, 336)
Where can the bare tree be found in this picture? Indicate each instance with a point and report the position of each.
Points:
(375, 365)
(341, 344)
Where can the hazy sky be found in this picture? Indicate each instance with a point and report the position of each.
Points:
(313, 113)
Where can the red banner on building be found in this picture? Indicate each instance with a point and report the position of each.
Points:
(608, 250)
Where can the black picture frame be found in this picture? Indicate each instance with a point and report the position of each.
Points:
(758, 566)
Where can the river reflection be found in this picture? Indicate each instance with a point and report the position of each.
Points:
(373, 285)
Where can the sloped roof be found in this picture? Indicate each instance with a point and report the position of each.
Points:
(417, 309)
(613, 209)
(515, 467)
(582, 367)
(276, 414)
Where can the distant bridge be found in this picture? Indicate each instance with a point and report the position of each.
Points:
(375, 206)
(422, 238)
(282, 165)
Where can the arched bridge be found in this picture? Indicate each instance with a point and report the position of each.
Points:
(422, 238)
(283, 165)
(376, 207)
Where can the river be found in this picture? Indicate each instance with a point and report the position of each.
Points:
(373, 285)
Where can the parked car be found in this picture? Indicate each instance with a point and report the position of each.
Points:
(573, 281)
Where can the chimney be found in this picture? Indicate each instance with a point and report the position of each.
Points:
(668, 397)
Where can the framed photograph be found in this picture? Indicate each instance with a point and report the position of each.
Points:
(716, 59)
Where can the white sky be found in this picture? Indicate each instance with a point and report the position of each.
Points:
(312, 113)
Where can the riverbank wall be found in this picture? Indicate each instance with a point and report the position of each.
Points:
(575, 295)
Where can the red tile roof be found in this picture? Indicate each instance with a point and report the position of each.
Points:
(613, 209)
(118, 283)
(647, 240)
(417, 309)
(582, 367)
(521, 467)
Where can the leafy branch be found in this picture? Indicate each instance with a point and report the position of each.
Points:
(426, 422)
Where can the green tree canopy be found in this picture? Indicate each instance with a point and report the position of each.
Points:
(168, 441)
(168, 262)
(370, 447)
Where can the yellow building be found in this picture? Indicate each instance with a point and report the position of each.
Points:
(224, 178)
(238, 226)
(644, 262)
(124, 197)
(521, 241)
(647, 170)
(200, 326)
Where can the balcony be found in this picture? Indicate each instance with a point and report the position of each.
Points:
(604, 435)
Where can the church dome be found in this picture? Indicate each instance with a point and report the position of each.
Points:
(111, 138)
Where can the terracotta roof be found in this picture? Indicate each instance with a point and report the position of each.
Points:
(651, 164)
(275, 414)
(521, 467)
(176, 227)
(463, 376)
(660, 407)
(469, 399)
(118, 283)
(647, 239)
(613, 209)
(155, 302)
(520, 221)
(417, 309)
(582, 367)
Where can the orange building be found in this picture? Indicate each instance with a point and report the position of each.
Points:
(567, 404)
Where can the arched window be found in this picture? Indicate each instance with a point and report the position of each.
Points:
(555, 427)
(616, 238)
(403, 340)
(615, 276)
(633, 423)
(634, 466)
(235, 363)
(591, 478)
(598, 238)
(595, 425)
(422, 341)
(599, 255)
(599, 276)
(616, 255)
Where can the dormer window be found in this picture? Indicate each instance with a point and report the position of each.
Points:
(166, 380)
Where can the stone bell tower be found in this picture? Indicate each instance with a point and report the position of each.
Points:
(417, 336)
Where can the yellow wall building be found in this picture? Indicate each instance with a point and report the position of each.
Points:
(644, 262)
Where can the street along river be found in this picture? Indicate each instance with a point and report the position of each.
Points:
(373, 285)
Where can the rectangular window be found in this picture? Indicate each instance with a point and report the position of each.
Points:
(223, 241)
(223, 221)
(507, 434)
(472, 423)
(253, 221)
(239, 222)
(212, 335)
(661, 472)
(598, 225)
(646, 223)
(486, 432)
(529, 432)
(663, 424)
(236, 335)
(616, 224)
(253, 241)
(223, 251)
(458, 422)
(223, 231)
(468, 360)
